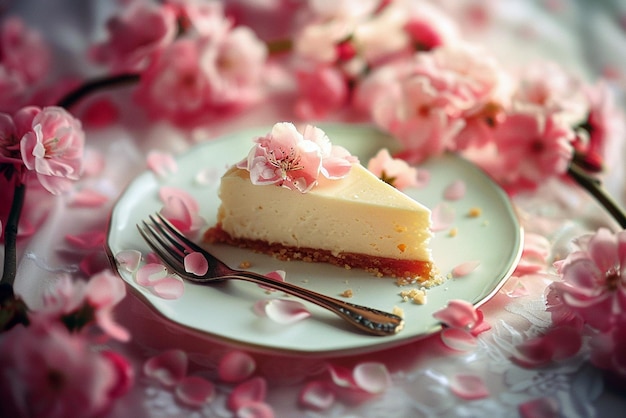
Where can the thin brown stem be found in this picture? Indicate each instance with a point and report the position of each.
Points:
(10, 236)
(594, 187)
(75, 96)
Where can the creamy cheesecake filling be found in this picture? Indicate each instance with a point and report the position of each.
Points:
(358, 214)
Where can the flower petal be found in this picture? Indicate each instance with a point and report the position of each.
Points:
(468, 387)
(465, 268)
(196, 263)
(282, 311)
(458, 314)
(316, 395)
(443, 216)
(161, 163)
(252, 390)
(458, 339)
(603, 250)
(168, 367)
(194, 391)
(255, 410)
(169, 287)
(455, 190)
(236, 366)
(372, 377)
(128, 260)
(540, 408)
(150, 273)
(87, 240)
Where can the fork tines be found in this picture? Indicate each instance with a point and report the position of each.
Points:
(166, 241)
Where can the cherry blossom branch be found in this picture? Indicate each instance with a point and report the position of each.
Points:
(76, 95)
(594, 187)
(10, 236)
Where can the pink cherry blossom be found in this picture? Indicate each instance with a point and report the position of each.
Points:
(53, 148)
(98, 296)
(288, 158)
(593, 288)
(424, 101)
(322, 90)
(135, 36)
(394, 171)
(23, 51)
(199, 77)
(162, 164)
(547, 88)
(465, 268)
(530, 150)
(608, 348)
(46, 371)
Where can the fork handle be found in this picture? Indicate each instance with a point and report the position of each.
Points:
(372, 321)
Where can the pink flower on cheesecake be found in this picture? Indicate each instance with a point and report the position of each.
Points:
(288, 158)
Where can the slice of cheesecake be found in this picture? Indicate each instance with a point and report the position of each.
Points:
(357, 221)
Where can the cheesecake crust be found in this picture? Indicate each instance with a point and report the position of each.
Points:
(406, 271)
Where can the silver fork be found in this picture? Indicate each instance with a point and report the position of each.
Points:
(172, 246)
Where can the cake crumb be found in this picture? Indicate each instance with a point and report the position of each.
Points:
(245, 264)
(474, 212)
(347, 293)
(418, 296)
(453, 232)
(398, 311)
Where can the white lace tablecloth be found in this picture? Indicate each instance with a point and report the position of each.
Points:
(587, 37)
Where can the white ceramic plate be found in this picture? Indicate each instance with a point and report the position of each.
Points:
(225, 311)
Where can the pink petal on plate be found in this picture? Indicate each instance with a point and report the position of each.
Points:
(540, 408)
(277, 275)
(455, 190)
(458, 339)
(236, 366)
(88, 198)
(255, 410)
(190, 202)
(316, 395)
(282, 311)
(443, 216)
(195, 391)
(372, 377)
(465, 268)
(252, 390)
(207, 176)
(87, 240)
(150, 273)
(458, 314)
(469, 387)
(196, 263)
(169, 367)
(423, 178)
(161, 163)
(152, 258)
(169, 287)
(128, 260)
